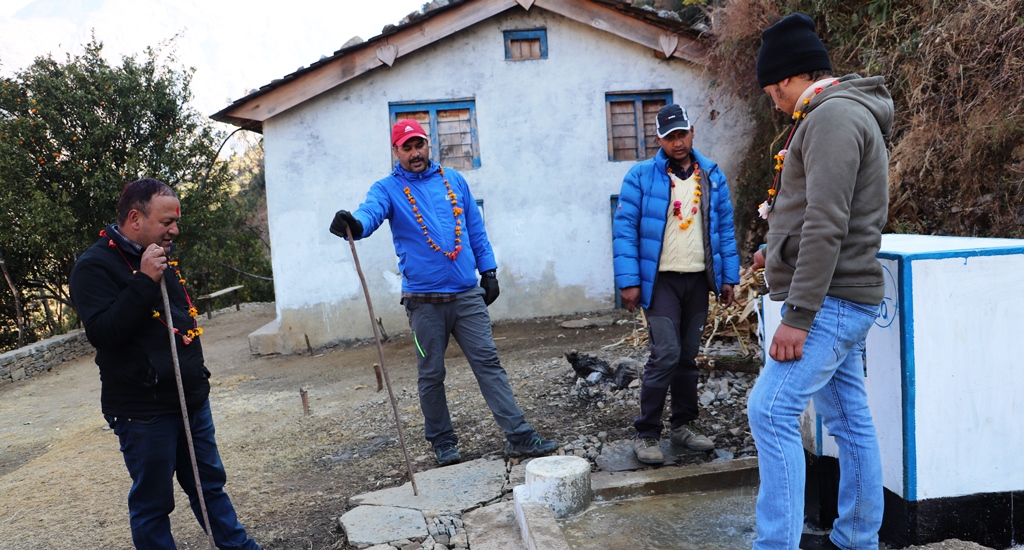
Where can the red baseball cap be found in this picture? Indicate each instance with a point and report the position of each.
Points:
(405, 129)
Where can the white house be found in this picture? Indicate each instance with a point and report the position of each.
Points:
(542, 105)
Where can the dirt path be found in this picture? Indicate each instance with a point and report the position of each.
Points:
(63, 483)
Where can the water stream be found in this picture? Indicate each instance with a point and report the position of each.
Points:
(719, 520)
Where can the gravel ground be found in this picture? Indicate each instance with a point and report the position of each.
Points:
(63, 483)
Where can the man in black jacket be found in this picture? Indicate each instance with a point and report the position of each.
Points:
(115, 287)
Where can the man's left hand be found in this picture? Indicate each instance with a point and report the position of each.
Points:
(489, 282)
(727, 295)
(788, 343)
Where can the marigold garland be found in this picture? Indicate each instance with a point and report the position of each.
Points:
(456, 211)
(677, 205)
(192, 333)
(780, 158)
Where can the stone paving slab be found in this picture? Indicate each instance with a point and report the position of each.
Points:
(379, 524)
(448, 490)
(494, 527)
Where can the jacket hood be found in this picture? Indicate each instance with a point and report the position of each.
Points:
(412, 176)
(870, 92)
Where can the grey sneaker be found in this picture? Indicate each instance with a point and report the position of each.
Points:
(647, 450)
(688, 436)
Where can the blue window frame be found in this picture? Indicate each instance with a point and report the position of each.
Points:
(632, 122)
(526, 44)
(615, 285)
(451, 125)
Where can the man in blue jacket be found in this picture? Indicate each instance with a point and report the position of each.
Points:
(674, 242)
(441, 243)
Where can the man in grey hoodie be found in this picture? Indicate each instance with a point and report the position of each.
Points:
(825, 217)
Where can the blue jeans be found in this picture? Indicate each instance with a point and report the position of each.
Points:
(832, 372)
(466, 319)
(155, 451)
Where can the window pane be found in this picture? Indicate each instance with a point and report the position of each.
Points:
(527, 48)
(455, 136)
(624, 138)
(534, 48)
(651, 108)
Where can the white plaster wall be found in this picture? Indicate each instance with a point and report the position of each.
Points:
(970, 422)
(545, 177)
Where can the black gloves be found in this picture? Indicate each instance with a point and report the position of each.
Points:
(344, 219)
(489, 280)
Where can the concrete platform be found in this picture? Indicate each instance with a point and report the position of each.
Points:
(710, 482)
(478, 491)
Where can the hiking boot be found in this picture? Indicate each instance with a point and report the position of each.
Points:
(447, 454)
(535, 446)
(647, 450)
(688, 436)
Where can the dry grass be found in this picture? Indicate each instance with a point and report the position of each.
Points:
(956, 73)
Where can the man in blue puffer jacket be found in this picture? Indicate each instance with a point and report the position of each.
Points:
(441, 244)
(674, 242)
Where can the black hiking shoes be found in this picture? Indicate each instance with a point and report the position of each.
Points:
(535, 446)
(447, 454)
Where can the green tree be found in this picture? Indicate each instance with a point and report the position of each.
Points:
(72, 133)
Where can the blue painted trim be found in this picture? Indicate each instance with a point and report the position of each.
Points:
(526, 34)
(430, 102)
(618, 296)
(397, 108)
(909, 384)
(638, 99)
(947, 254)
(819, 435)
(480, 207)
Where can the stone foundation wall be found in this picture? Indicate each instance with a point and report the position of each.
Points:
(43, 356)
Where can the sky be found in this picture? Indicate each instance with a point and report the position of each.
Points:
(234, 45)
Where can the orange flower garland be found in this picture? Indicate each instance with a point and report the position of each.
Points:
(677, 205)
(456, 211)
(780, 158)
(193, 312)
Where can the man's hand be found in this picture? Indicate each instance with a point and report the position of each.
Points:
(154, 262)
(630, 297)
(788, 343)
(727, 295)
(758, 260)
(489, 282)
(344, 219)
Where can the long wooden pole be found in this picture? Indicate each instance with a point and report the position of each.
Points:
(383, 366)
(184, 412)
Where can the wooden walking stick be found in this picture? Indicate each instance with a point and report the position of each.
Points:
(184, 411)
(380, 354)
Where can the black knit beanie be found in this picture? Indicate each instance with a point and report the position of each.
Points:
(790, 47)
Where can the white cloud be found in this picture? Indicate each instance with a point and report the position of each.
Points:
(234, 45)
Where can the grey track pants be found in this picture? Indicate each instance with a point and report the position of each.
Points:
(467, 319)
